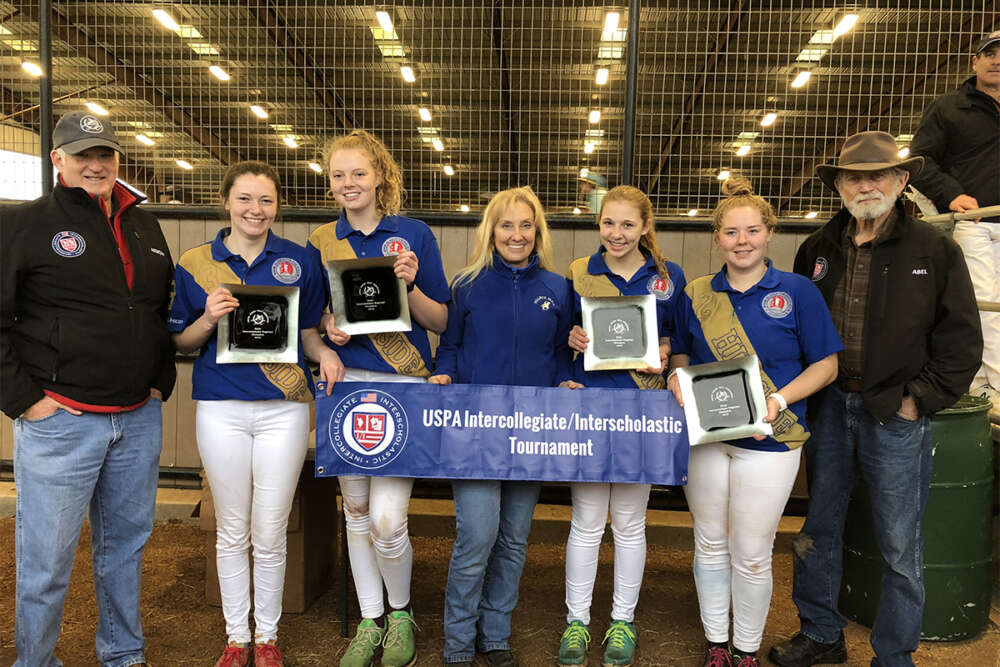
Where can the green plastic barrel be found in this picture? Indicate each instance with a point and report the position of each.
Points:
(957, 532)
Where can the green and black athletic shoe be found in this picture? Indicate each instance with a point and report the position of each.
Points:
(621, 640)
(574, 644)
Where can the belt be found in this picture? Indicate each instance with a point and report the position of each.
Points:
(849, 383)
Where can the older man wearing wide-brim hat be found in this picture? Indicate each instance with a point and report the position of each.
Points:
(901, 298)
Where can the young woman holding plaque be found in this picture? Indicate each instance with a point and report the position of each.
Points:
(367, 184)
(628, 263)
(508, 323)
(737, 490)
(252, 419)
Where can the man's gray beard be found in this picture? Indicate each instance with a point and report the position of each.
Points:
(870, 211)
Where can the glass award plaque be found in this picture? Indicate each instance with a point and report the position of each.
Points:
(370, 294)
(619, 332)
(366, 296)
(263, 328)
(259, 323)
(622, 331)
(724, 400)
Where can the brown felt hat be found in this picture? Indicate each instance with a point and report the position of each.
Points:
(868, 151)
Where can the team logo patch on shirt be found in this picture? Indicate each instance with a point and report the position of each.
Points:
(286, 270)
(368, 429)
(91, 124)
(777, 304)
(820, 269)
(545, 303)
(395, 245)
(660, 287)
(68, 244)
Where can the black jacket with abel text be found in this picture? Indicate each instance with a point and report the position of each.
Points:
(922, 331)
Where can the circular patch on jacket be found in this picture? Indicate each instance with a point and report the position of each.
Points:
(91, 124)
(395, 245)
(777, 304)
(68, 244)
(286, 270)
(660, 287)
(819, 270)
(368, 428)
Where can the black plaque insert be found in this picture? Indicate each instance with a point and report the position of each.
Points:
(371, 294)
(723, 400)
(619, 332)
(260, 322)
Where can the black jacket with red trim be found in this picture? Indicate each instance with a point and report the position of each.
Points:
(922, 332)
(68, 321)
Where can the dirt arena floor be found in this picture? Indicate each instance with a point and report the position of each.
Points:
(182, 629)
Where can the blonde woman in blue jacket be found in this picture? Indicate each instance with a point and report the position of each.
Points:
(508, 323)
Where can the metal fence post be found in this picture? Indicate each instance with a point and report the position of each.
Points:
(45, 91)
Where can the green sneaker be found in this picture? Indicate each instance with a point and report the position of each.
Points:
(574, 644)
(621, 640)
(399, 647)
(361, 650)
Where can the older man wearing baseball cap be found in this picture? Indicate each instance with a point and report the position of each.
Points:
(85, 361)
(959, 139)
(902, 301)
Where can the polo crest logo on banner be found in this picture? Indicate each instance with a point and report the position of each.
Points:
(368, 429)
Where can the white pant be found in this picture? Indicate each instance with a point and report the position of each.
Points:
(253, 453)
(736, 497)
(980, 243)
(376, 512)
(628, 525)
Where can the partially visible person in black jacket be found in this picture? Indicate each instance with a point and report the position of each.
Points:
(903, 304)
(959, 139)
(85, 363)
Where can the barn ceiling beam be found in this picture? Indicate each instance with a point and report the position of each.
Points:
(729, 24)
(268, 17)
(903, 88)
(186, 120)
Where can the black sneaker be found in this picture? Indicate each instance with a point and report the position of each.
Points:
(501, 658)
(801, 651)
(718, 656)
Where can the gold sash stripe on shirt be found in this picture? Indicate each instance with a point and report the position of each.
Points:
(728, 340)
(393, 346)
(587, 284)
(290, 379)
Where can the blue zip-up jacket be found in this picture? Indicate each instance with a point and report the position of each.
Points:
(508, 326)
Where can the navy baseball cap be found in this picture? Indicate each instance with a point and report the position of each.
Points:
(79, 130)
(989, 40)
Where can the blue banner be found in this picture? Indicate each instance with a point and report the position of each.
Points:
(499, 432)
